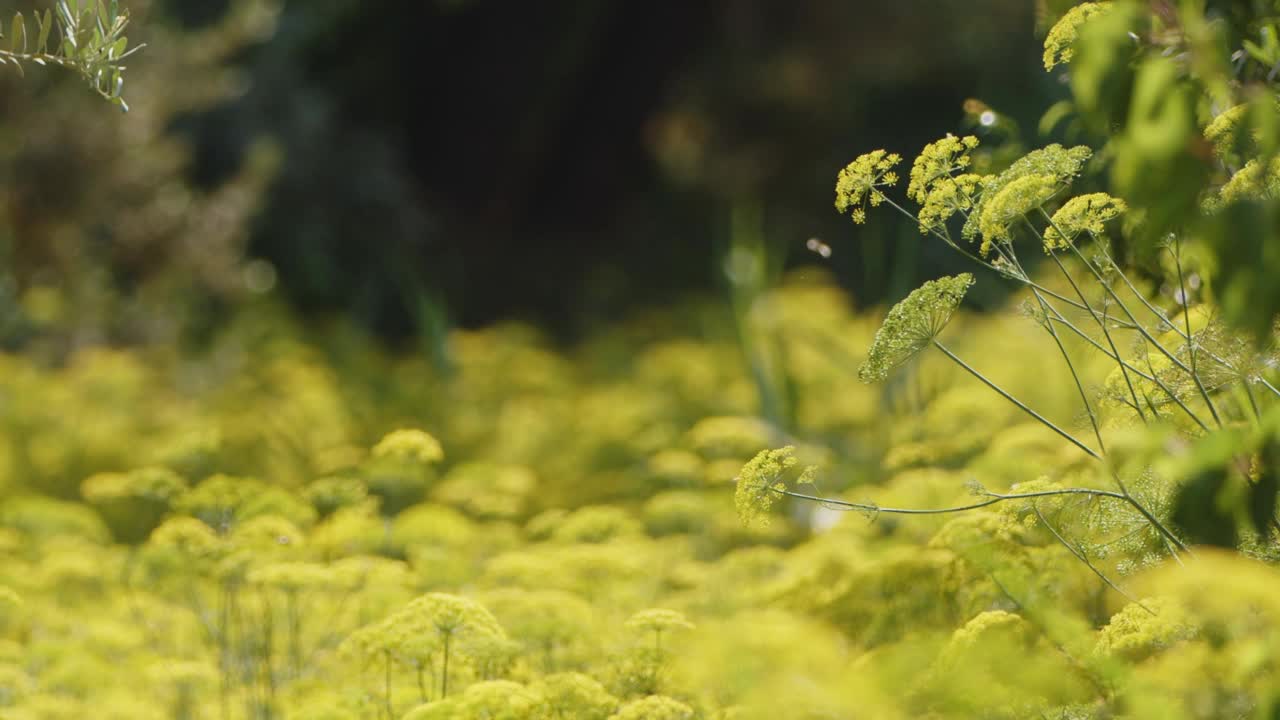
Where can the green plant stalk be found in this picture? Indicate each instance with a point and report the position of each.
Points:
(444, 671)
(1143, 330)
(993, 499)
(955, 246)
(1084, 397)
(1174, 396)
(1160, 314)
(1047, 423)
(386, 684)
(1062, 320)
(1135, 325)
(1191, 345)
(1079, 554)
(1106, 333)
(1021, 405)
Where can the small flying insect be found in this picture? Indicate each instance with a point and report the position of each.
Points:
(817, 246)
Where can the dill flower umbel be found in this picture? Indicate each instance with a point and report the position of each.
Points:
(1086, 213)
(912, 324)
(1222, 132)
(658, 620)
(1257, 180)
(1062, 36)
(762, 479)
(937, 161)
(857, 184)
(1011, 204)
(654, 707)
(946, 197)
(1062, 164)
(409, 444)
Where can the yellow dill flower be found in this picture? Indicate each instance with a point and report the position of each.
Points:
(409, 444)
(762, 479)
(1222, 131)
(1011, 204)
(659, 620)
(1062, 36)
(912, 324)
(938, 160)
(1086, 213)
(946, 197)
(857, 184)
(1255, 181)
(654, 707)
(1140, 631)
(1063, 164)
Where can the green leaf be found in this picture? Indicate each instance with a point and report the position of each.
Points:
(18, 36)
(1262, 494)
(46, 24)
(1198, 509)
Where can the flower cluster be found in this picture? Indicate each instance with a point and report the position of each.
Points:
(1062, 36)
(946, 197)
(1085, 213)
(939, 160)
(912, 324)
(858, 183)
(761, 481)
(659, 620)
(1011, 204)
(1055, 161)
(1257, 180)
(1223, 132)
(409, 445)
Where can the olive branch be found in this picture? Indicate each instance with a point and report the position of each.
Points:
(83, 36)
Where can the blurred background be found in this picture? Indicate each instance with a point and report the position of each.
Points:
(418, 166)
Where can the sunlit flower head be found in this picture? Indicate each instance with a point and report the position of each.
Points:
(939, 160)
(859, 182)
(410, 445)
(1010, 205)
(946, 197)
(659, 619)
(1058, 44)
(761, 481)
(1085, 213)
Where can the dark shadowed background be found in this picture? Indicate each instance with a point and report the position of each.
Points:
(419, 164)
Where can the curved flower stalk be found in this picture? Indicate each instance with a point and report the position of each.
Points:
(84, 36)
(914, 324)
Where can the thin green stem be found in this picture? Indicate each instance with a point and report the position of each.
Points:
(993, 498)
(1186, 317)
(1174, 396)
(956, 246)
(1173, 358)
(1084, 397)
(1021, 405)
(1079, 554)
(1106, 333)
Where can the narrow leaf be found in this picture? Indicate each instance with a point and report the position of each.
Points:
(18, 36)
(46, 24)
